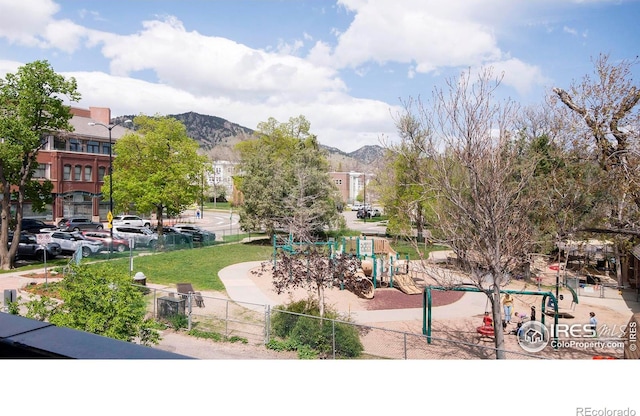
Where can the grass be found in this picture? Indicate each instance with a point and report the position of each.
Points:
(199, 266)
(404, 248)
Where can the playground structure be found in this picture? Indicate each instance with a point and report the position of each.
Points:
(381, 266)
(484, 331)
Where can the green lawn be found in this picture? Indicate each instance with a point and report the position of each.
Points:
(198, 266)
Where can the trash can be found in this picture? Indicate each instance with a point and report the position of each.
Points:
(140, 279)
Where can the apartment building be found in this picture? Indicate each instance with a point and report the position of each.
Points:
(222, 177)
(351, 184)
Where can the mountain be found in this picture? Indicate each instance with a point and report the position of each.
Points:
(218, 136)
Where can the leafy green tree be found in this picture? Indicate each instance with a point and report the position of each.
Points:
(31, 106)
(401, 181)
(157, 168)
(285, 180)
(103, 301)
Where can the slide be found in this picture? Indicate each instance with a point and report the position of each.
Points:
(406, 284)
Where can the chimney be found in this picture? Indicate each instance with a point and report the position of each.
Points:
(101, 114)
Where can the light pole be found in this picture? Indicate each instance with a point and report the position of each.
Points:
(110, 214)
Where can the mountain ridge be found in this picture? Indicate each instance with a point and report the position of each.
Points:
(217, 137)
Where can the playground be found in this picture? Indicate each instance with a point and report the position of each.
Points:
(396, 303)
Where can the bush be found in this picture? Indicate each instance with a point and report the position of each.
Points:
(309, 332)
(178, 321)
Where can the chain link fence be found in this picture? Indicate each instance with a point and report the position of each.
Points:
(333, 338)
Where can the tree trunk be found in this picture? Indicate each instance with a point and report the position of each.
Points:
(496, 309)
(321, 302)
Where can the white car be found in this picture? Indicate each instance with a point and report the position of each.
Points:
(71, 241)
(131, 220)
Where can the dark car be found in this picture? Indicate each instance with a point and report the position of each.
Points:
(173, 235)
(29, 248)
(200, 235)
(78, 224)
(33, 226)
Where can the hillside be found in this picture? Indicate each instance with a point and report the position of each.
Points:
(218, 136)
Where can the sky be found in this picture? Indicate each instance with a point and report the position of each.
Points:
(346, 65)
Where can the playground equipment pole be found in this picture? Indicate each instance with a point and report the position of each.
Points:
(426, 306)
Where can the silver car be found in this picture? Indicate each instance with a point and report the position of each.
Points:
(141, 236)
(72, 241)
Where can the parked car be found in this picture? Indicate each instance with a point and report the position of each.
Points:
(77, 224)
(130, 220)
(142, 236)
(104, 237)
(200, 235)
(174, 235)
(34, 226)
(72, 241)
(356, 206)
(29, 248)
(368, 212)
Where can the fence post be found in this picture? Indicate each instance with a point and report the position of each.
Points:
(405, 345)
(154, 303)
(189, 306)
(267, 324)
(333, 336)
(226, 320)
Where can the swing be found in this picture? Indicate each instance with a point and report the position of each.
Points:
(486, 330)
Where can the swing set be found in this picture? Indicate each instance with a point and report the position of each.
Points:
(426, 306)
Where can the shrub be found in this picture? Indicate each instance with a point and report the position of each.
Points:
(178, 321)
(310, 333)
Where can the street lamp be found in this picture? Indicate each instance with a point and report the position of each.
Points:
(110, 214)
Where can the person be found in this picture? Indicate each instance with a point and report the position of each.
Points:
(533, 313)
(593, 322)
(198, 214)
(521, 316)
(487, 321)
(507, 303)
(520, 331)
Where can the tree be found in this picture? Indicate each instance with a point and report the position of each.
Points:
(157, 168)
(400, 181)
(603, 112)
(102, 301)
(480, 184)
(31, 107)
(285, 180)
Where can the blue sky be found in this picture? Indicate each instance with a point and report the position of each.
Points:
(345, 65)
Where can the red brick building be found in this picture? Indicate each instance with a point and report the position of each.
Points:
(76, 163)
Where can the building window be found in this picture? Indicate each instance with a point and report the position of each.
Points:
(59, 144)
(77, 174)
(101, 172)
(66, 175)
(218, 171)
(105, 148)
(93, 147)
(41, 171)
(338, 181)
(88, 172)
(75, 145)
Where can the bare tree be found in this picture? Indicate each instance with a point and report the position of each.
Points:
(603, 111)
(480, 183)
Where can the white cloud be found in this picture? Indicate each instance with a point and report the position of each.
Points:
(338, 120)
(22, 21)
(428, 33)
(519, 75)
